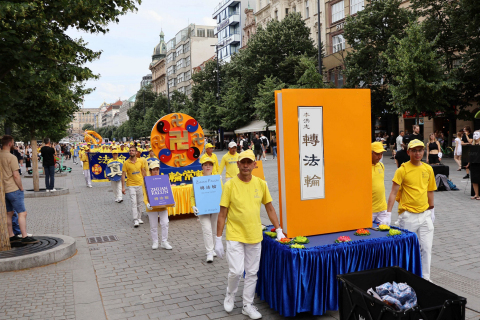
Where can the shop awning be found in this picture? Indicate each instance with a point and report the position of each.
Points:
(255, 126)
(272, 128)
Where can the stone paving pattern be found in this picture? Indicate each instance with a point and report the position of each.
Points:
(126, 279)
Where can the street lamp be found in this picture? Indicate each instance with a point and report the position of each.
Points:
(319, 39)
(218, 91)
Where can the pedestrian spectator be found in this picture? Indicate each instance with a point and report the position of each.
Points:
(240, 205)
(244, 143)
(135, 170)
(457, 154)
(265, 145)
(475, 168)
(257, 147)
(48, 154)
(379, 204)
(207, 221)
(75, 154)
(416, 133)
(86, 166)
(209, 154)
(28, 159)
(416, 181)
(467, 138)
(402, 156)
(273, 143)
(14, 193)
(433, 150)
(399, 141)
(154, 214)
(17, 155)
(391, 143)
(58, 150)
(229, 161)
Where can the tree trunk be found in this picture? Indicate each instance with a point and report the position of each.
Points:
(36, 177)
(4, 236)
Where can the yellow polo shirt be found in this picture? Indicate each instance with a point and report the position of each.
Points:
(230, 162)
(243, 200)
(84, 159)
(215, 162)
(415, 182)
(379, 202)
(134, 172)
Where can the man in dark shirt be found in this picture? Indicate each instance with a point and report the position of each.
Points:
(48, 154)
(467, 139)
(402, 156)
(257, 144)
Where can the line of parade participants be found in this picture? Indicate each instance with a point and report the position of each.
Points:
(243, 194)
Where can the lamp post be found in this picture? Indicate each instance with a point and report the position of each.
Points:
(218, 91)
(319, 39)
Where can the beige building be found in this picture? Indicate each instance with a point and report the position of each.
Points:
(159, 76)
(250, 27)
(190, 47)
(82, 117)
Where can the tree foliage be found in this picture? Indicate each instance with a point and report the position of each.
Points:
(87, 126)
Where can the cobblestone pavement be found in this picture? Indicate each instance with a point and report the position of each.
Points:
(126, 279)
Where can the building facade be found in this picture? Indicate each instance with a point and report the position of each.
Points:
(83, 117)
(190, 47)
(230, 16)
(158, 66)
(126, 105)
(250, 26)
(146, 80)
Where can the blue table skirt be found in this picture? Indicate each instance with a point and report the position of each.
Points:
(304, 280)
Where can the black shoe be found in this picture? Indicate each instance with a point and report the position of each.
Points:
(15, 239)
(29, 240)
(466, 177)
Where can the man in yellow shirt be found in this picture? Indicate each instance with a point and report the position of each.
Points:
(379, 203)
(229, 161)
(134, 168)
(241, 200)
(414, 182)
(86, 166)
(209, 154)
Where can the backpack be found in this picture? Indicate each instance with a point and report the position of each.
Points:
(245, 144)
(264, 141)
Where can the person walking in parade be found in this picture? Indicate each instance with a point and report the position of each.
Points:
(209, 154)
(135, 170)
(416, 182)
(48, 154)
(240, 205)
(208, 221)
(86, 166)
(115, 169)
(229, 161)
(379, 203)
(155, 213)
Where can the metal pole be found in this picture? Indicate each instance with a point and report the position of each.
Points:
(168, 94)
(319, 39)
(218, 96)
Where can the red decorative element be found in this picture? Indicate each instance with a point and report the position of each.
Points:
(273, 230)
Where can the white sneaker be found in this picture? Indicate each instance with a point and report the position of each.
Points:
(140, 221)
(135, 224)
(28, 235)
(53, 190)
(229, 302)
(155, 245)
(48, 190)
(214, 254)
(251, 311)
(89, 185)
(209, 257)
(166, 245)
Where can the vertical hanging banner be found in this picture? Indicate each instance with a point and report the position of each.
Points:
(312, 178)
(178, 141)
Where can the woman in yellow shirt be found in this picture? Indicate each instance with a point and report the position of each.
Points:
(209, 154)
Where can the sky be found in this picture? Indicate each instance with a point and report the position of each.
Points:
(127, 49)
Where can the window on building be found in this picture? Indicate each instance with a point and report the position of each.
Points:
(188, 75)
(286, 11)
(179, 51)
(200, 32)
(188, 91)
(307, 10)
(338, 43)
(276, 14)
(181, 77)
(356, 6)
(338, 11)
(186, 47)
(187, 61)
(294, 9)
(180, 63)
(210, 33)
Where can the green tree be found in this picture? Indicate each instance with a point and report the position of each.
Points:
(307, 74)
(265, 101)
(421, 79)
(87, 126)
(210, 117)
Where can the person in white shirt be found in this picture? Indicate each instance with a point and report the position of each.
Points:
(458, 150)
(399, 141)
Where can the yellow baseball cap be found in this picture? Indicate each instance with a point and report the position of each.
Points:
(415, 143)
(248, 154)
(209, 145)
(206, 159)
(377, 147)
(153, 164)
(114, 150)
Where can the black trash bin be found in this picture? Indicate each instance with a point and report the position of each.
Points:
(433, 302)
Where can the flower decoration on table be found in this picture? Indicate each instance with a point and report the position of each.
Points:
(394, 232)
(301, 239)
(285, 241)
(343, 239)
(273, 230)
(271, 234)
(362, 232)
(297, 246)
(383, 227)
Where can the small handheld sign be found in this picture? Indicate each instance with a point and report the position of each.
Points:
(113, 171)
(208, 192)
(159, 191)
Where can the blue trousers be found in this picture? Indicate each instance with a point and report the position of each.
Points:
(15, 226)
(49, 177)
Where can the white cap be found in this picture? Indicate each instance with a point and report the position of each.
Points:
(232, 144)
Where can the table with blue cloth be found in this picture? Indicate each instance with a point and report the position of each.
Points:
(305, 280)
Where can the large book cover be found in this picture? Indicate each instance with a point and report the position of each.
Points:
(208, 192)
(159, 191)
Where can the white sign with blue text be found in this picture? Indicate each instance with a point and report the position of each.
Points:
(208, 192)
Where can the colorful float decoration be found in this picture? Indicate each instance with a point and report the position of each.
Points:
(90, 136)
(178, 141)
